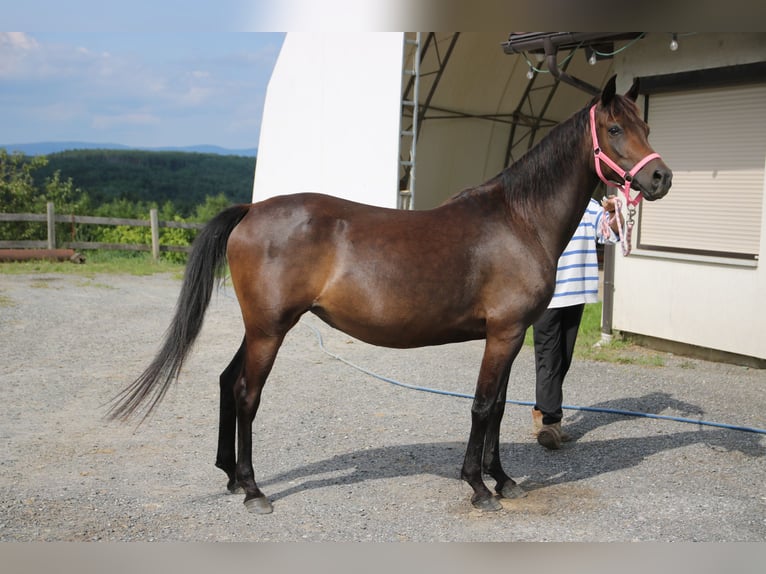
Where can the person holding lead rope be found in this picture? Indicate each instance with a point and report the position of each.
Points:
(555, 332)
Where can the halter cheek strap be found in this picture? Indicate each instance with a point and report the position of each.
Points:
(627, 176)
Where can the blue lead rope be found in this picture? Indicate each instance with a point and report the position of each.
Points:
(528, 403)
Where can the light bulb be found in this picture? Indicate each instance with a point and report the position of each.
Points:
(530, 74)
(674, 43)
(592, 59)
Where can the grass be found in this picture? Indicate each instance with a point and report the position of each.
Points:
(96, 262)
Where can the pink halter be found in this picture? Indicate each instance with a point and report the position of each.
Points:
(627, 176)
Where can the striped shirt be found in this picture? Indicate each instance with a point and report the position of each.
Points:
(577, 272)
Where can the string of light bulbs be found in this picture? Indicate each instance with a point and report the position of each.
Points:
(595, 54)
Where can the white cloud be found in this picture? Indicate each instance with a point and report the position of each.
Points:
(23, 57)
(17, 41)
(15, 49)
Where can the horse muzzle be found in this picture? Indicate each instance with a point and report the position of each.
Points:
(657, 186)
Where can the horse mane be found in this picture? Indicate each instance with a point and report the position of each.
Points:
(530, 180)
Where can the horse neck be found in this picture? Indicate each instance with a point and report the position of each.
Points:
(558, 218)
(550, 187)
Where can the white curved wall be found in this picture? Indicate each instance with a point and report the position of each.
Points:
(331, 118)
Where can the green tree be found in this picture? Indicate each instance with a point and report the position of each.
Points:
(183, 178)
(65, 196)
(210, 208)
(20, 194)
(17, 186)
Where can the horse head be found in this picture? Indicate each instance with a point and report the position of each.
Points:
(622, 154)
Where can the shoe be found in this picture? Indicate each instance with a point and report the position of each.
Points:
(551, 436)
(537, 426)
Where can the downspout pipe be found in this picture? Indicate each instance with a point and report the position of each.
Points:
(550, 59)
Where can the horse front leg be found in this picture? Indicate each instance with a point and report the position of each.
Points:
(226, 458)
(505, 486)
(259, 358)
(486, 413)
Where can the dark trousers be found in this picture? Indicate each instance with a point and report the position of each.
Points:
(554, 333)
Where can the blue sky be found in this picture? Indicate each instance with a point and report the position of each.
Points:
(135, 88)
(154, 73)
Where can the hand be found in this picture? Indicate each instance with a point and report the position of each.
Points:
(609, 204)
(616, 221)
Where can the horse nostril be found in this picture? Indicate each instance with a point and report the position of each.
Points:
(660, 178)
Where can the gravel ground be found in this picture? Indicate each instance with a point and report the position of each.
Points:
(345, 456)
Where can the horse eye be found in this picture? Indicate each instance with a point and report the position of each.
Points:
(614, 131)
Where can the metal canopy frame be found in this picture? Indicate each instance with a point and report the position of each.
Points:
(412, 110)
(529, 116)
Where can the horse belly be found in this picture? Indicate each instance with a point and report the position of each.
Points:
(401, 335)
(397, 319)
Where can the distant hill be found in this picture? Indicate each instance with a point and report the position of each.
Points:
(183, 178)
(46, 148)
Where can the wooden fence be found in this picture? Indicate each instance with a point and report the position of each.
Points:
(51, 219)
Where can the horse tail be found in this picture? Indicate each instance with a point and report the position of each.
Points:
(206, 264)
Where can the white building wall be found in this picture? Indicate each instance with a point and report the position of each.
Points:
(716, 304)
(331, 118)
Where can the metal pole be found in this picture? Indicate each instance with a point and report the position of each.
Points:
(415, 98)
(608, 303)
(607, 309)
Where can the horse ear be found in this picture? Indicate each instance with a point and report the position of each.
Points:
(632, 93)
(609, 91)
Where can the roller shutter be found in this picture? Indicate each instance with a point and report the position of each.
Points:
(714, 140)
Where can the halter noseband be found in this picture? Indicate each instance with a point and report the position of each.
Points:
(627, 176)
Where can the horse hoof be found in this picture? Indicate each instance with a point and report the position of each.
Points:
(259, 505)
(512, 491)
(234, 488)
(490, 504)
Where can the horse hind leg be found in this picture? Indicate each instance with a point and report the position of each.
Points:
(259, 355)
(226, 458)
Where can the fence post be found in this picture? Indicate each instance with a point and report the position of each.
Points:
(51, 212)
(155, 234)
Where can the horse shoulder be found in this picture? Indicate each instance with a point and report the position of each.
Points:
(519, 274)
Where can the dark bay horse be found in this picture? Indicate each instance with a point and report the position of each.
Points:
(480, 266)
